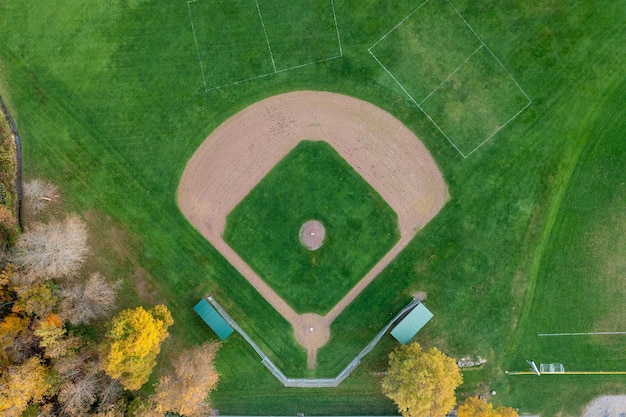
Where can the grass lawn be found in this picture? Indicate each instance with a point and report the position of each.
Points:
(110, 103)
(312, 182)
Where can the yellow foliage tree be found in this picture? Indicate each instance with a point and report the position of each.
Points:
(421, 383)
(21, 385)
(479, 407)
(133, 342)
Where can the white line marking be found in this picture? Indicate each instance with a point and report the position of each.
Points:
(452, 73)
(582, 334)
(416, 103)
(398, 25)
(332, 4)
(193, 30)
(490, 51)
(269, 48)
(500, 128)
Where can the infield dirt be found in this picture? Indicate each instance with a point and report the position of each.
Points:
(243, 149)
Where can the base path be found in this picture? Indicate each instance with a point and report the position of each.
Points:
(243, 149)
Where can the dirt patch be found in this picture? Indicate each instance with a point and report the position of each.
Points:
(606, 406)
(312, 234)
(243, 149)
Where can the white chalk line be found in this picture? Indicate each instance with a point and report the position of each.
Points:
(398, 25)
(275, 70)
(267, 40)
(332, 4)
(452, 73)
(415, 102)
(195, 39)
(449, 75)
(582, 334)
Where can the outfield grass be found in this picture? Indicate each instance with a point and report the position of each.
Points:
(110, 103)
(313, 182)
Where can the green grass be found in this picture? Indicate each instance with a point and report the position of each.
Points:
(109, 100)
(312, 182)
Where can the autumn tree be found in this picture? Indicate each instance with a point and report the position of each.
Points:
(421, 383)
(83, 302)
(38, 300)
(133, 342)
(21, 385)
(480, 407)
(185, 389)
(38, 194)
(52, 250)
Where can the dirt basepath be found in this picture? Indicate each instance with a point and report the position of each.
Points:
(243, 149)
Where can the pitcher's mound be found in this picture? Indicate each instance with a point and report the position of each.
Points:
(312, 234)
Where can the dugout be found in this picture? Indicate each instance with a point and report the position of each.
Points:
(411, 324)
(213, 319)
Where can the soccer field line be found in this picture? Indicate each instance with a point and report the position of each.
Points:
(195, 39)
(332, 4)
(416, 103)
(489, 49)
(452, 73)
(501, 127)
(582, 334)
(397, 25)
(269, 48)
(267, 40)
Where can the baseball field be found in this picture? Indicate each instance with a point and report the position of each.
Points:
(509, 208)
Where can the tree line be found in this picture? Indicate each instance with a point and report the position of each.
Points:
(56, 357)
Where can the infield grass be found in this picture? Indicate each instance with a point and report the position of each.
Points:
(110, 105)
(313, 182)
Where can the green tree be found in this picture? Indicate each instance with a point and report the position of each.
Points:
(132, 344)
(421, 383)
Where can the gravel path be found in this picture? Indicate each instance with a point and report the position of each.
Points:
(606, 406)
(243, 149)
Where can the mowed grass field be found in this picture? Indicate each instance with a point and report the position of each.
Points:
(313, 182)
(110, 101)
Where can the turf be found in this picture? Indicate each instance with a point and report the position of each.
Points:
(312, 182)
(110, 103)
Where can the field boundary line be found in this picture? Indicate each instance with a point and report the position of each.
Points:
(416, 103)
(195, 39)
(398, 25)
(489, 49)
(500, 128)
(332, 4)
(453, 72)
(582, 334)
(269, 48)
(267, 40)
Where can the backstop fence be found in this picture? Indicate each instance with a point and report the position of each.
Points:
(310, 382)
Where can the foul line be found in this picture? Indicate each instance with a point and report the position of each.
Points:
(581, 334)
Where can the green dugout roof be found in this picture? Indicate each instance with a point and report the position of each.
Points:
(213, 319)
(411, 324)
